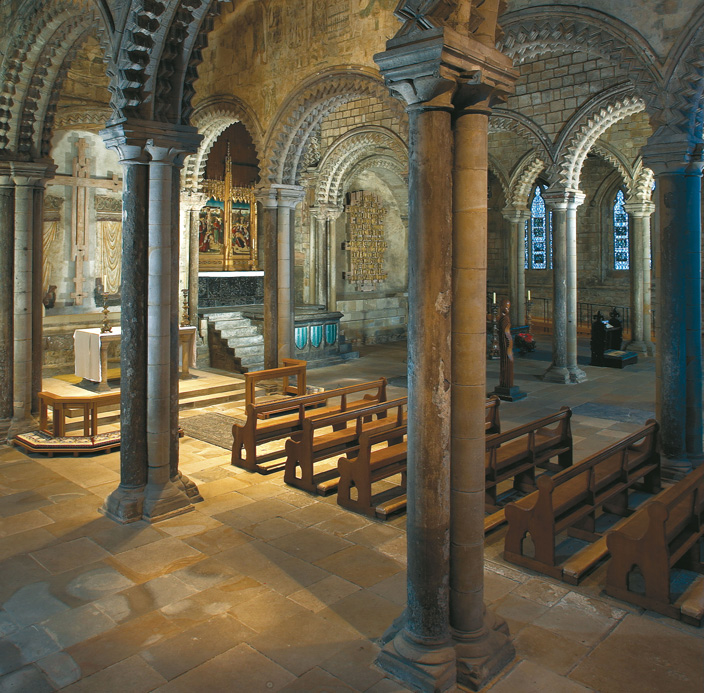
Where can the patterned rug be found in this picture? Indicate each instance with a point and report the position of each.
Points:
(614, 413)
(212, 428)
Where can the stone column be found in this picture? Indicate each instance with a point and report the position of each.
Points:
(557, 371)
(677, 165)
(7, 272)
(483, 646)
(150, 487)
(564, 367)
(424, 68)
(575, 199)
(191, 204)
(640, 213)
(37, 293)
(26, 178)
(517, 263)
(268, 232)
(288, 197)
(326, 216)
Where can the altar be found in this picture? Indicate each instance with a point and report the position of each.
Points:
(90, 347)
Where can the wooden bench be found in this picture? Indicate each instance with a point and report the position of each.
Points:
(375, 465)
(357, 475)
(315, 445)
(666, 532)
(271, 421)
(516, 453)
(292, 368)
(62, 405)
(492, 423)
(568, 502)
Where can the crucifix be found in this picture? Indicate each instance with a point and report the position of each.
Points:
(79, 182)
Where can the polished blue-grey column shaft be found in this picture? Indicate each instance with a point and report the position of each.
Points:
(559, 287)
(133, 354)
(679, 354)
(37, 296)
(429, 374)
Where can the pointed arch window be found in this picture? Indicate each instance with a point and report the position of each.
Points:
(539, 233)
(621, 242)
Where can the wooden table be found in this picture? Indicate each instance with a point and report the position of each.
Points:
(61, 404)
(91, 353)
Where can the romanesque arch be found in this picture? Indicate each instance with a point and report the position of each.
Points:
(365, 144)
(212, 117)
(300, 114)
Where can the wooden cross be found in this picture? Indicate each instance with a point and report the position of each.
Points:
(80, 182)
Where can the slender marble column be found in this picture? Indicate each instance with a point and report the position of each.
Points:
(326, 216)
(7, 263)
(647, 287)
(37, 294)
(288, 197)
(162, 497)
(267, 232)
(23, 304)
(517, 262)
(191, 204)
(557, 372)
(483, 646)
(576, 374)
(640, 213)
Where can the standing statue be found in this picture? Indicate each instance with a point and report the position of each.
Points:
(506, 390)
(505, 346)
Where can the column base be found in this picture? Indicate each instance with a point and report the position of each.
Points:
(22, 425)
(674, 469)
(510, 394)
(577, 375)
(188, 486)
(641, 347)
(419, 666)
(557, 374)
(163, 502)
(124, 505)
(482, 656)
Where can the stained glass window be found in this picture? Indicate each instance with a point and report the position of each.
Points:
(538, 234)
(621, 249)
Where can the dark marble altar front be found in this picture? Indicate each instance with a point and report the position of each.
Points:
(217, 289)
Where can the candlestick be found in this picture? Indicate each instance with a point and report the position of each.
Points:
(186, 320)
(106, 323)
(494, 345)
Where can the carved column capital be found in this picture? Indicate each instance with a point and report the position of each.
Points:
(277, 195)
(26, 173)
(672, 152)
(192, 200)
(326, 212)
(142, 141)
(515, 215)
(559, 198)
(639, 208)
(440, 69)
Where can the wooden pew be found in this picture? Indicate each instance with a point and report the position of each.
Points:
(314, 445)
(666, 532)
(516, 453)
(492, 423)
(569, 501)
(291, 368)
(284, 418)
(374, 465)
(358, 474)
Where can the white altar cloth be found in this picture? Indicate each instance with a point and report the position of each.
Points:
(87, 343)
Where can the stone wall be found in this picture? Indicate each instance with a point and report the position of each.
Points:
(374, 320)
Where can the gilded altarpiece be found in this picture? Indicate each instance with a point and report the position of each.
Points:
(227, 229)
(366, 242)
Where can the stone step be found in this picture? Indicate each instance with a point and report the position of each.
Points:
(249, 350)
(238, 344)
(215, 317)
(238, 332)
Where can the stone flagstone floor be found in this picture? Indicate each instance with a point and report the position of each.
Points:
(265, 588)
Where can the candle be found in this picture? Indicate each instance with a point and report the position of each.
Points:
(529, 294)
(493, 297)
(105, 282)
